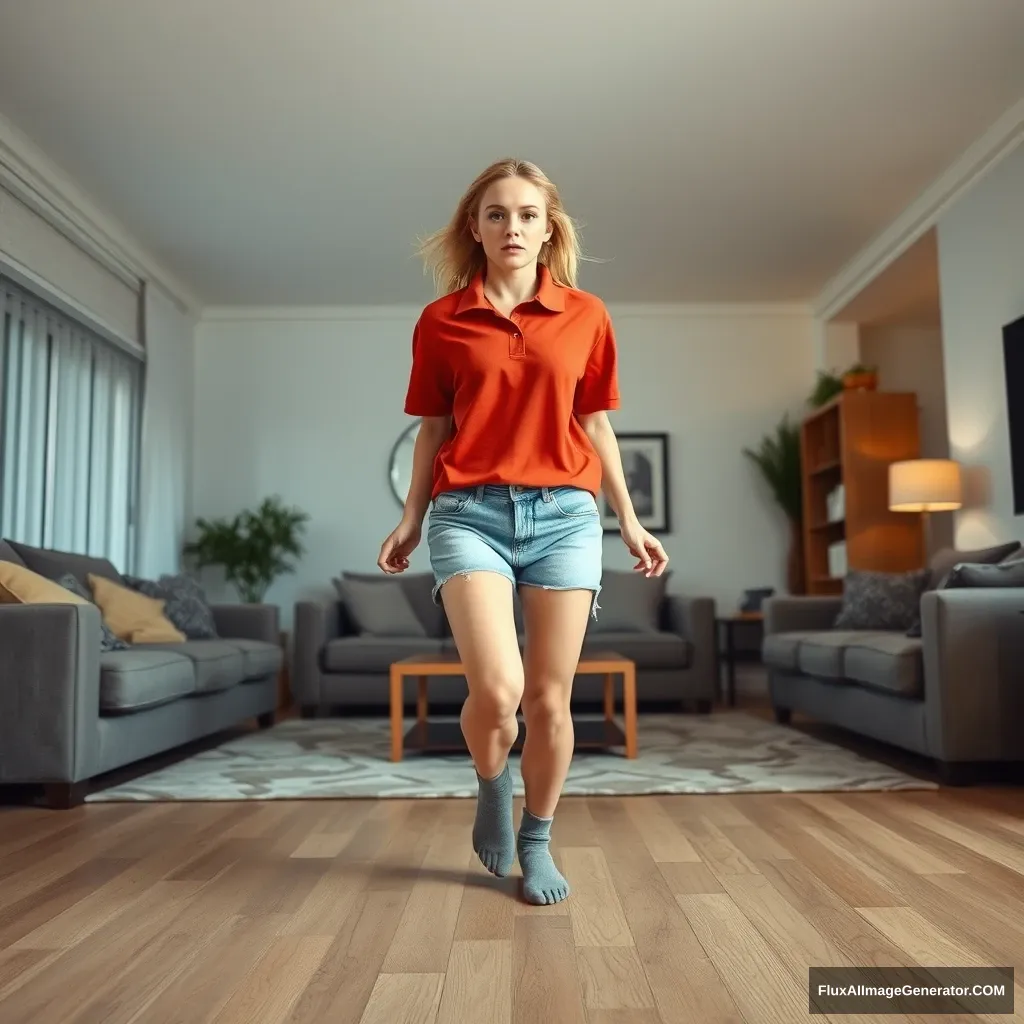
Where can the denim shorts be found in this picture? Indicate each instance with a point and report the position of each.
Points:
(548, 537)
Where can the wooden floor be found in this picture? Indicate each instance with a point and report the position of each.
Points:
(684, 908)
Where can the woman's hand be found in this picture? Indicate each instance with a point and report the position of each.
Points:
(651, 557)
(400, 544)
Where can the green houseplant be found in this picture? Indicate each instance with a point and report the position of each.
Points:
(253, 547)
(778, 459)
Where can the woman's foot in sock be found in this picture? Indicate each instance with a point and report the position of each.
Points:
(493, 832)
(542, 881)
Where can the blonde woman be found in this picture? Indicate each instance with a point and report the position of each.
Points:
(513, 371)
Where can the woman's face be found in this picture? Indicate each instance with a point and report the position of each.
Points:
(512, 223)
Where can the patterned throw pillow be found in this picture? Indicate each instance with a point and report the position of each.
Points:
(882, 600)
(185, 603)
(108, 641)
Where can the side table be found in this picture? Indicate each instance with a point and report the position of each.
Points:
(727, 624)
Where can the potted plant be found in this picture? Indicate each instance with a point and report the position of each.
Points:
(827, 385)
(778, 459)
(252, 547)
(861, 377)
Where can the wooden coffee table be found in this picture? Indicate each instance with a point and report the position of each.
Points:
(434, 736)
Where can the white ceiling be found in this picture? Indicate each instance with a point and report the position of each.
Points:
(290, 151)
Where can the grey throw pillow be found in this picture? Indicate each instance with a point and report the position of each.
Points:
(629, 602)
(882, 600)
(946, 559)
(380, 608)
(185, 603)
(967, 574)
(108, 640)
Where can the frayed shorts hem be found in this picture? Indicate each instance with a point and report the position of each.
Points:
(440, 581)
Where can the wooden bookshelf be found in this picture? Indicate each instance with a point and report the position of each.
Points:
(852, 440)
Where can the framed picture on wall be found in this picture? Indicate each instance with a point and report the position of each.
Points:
(645, 464)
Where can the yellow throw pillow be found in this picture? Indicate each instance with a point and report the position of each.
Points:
(19, 585)
(133, 616)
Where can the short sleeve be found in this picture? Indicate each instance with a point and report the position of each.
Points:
(430, 391)
(598, 388)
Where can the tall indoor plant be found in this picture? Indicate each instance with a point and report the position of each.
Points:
(778, 459)
(253, 547)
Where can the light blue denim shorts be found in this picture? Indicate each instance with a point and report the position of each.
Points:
(548, 537)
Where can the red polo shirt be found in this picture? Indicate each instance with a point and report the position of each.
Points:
(514, 385)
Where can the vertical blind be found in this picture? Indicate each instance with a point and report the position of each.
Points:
(70, 415)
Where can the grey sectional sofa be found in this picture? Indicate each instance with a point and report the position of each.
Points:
(949, 687)
(344, 645)
(70, 711)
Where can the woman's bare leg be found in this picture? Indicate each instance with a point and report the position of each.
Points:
(556, 622)
(479, 610)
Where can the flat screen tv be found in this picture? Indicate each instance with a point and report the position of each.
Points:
(1013, 363)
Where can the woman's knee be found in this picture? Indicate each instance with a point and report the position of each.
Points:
(546, 706)
(497, 695)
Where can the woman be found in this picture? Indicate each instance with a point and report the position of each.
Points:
(513, 371)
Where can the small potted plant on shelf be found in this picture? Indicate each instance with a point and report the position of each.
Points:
(253, 548)
(860, 378)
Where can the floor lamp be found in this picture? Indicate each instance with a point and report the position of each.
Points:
(925, 486)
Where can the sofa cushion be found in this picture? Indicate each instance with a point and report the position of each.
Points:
(8, 554)
(130, 615)
(259, 658)
(981, 576)
(217, 664)
(887, 661)
(374, 653)
(185, 603)
(417, 587)
(629, 602)
(53, 564)
(648, 650)
(379, 607)
(108, 640)
(821, 654)
(779, 650)
(881, 600)
(943, 562)
(141, 678)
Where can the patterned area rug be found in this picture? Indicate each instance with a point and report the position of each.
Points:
(725, 752)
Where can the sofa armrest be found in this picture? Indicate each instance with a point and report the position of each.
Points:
(248, 622)
(973, 649)
(789, 613)
(49, 692)
(694, 619)
(316, 622)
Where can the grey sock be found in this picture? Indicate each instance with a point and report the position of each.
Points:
(493, 832)
(542, 881)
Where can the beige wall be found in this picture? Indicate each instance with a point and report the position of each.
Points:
(911, 359)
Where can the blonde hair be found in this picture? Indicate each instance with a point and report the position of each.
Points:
(454, 256)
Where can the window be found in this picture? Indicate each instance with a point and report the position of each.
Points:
(70, 413)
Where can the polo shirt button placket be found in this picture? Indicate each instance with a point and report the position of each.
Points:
(517, 348)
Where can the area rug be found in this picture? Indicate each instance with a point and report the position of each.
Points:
(724, 752)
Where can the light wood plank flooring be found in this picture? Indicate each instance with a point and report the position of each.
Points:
(684, 908)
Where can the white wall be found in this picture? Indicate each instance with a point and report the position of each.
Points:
(911, 359)
(981, 267)
(308, 407)
(167, 428)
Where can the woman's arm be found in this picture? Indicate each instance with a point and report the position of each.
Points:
(433, 432)
(651, 557)
(598, 428)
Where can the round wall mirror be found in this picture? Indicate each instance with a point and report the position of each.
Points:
(400, 470)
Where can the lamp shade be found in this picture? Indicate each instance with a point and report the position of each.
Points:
(924, 485)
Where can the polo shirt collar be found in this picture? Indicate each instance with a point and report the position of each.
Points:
(549, 294)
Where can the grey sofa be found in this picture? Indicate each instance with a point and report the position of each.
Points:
(949, 687)
(70, 711)
(344, 644)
